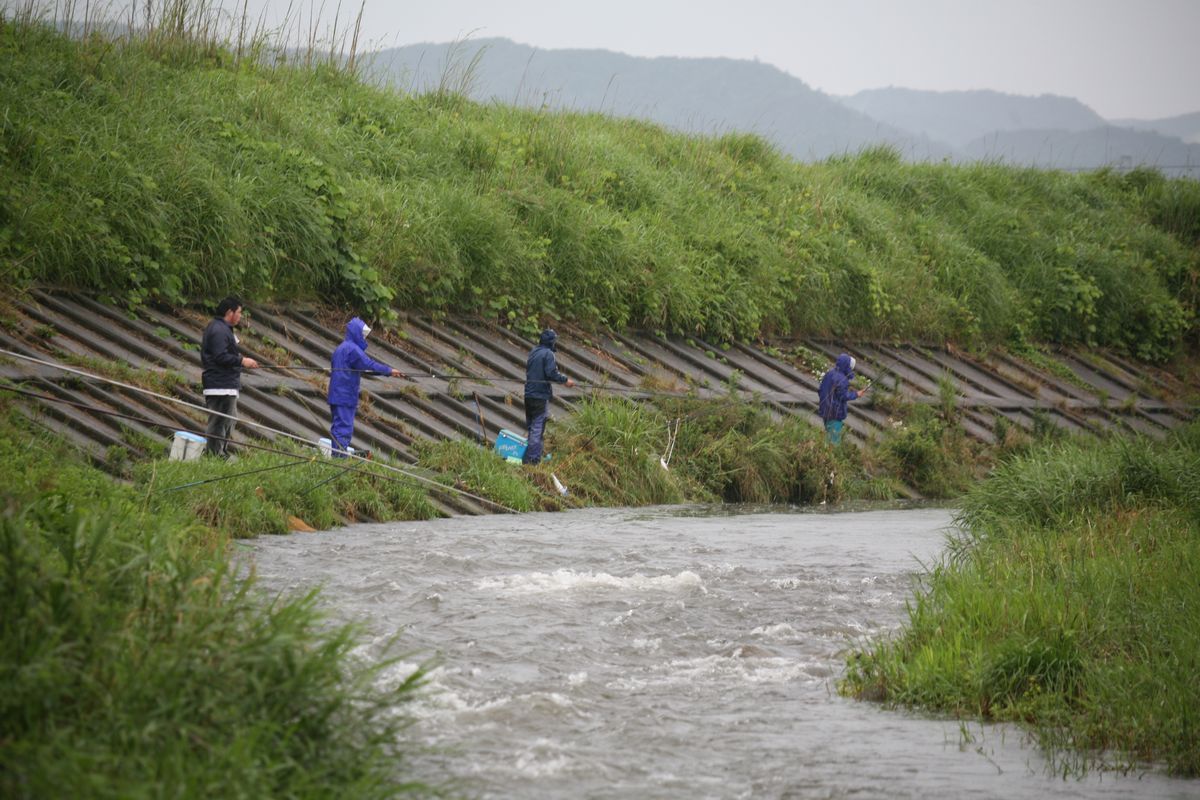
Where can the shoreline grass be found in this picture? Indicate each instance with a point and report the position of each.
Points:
(137, 661)
(1067, 604)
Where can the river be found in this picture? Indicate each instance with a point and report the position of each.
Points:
(680, 652)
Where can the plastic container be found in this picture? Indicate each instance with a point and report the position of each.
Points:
(187, 446)
(510, 445)
(325, 446)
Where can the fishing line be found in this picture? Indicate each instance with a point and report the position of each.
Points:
(253, 424)
(452, 376)
(237, 475)
(248, 445)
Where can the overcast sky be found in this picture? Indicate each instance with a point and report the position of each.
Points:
(1123, 58)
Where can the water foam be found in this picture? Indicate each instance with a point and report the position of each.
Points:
(568, 580)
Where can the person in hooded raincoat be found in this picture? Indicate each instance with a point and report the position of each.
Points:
(349, 362)
(541, 372)
(834, 394)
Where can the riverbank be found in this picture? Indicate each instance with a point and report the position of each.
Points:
(173, 166)
(157, 172)
(136, 663)
(1067, 604)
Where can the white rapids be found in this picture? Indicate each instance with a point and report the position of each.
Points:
(661, 653)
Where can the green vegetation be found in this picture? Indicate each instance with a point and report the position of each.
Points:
(137, 661)
(276, 488)
(170, 167)
(177, 169)
(1069, 603)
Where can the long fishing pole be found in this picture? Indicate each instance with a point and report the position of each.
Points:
(482, 378)
(251, 423)
(295, 463)
(252, 446)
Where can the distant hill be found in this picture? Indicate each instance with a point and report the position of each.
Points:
(1185, 126)
(704, 95)
(718, 95)
(1118, 147)
(959, 118)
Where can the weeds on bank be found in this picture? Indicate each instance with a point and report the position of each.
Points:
(261, 492)
(1068, 603)
(136, 661)
(479, 470)
(293, 179)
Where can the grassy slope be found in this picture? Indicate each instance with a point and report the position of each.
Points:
(173, 172)
(1069, 603)
(136, 662)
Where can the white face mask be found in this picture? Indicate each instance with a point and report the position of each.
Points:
(852, 362)
(366, 330)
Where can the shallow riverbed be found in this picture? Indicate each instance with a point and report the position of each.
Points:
(662, 653)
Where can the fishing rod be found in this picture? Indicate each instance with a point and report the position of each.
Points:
(248, 445)
(453, 376)
(481, 378)
(251, 423)
(295, 463)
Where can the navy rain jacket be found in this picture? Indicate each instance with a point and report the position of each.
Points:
(835, 390)
(541, 370)
(349, 361)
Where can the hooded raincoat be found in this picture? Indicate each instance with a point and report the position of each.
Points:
(541, 370)
(349, 362)
(541, 373)
(835, 391)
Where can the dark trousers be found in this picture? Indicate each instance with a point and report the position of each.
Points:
(537, 411)
(341, 428)
(219, 429)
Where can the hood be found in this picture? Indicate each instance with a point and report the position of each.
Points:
(549, 339)
(845, 365)
(354, 332)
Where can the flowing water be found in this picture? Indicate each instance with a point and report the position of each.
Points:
(662, 653)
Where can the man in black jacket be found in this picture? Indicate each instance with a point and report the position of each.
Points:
(222, 363)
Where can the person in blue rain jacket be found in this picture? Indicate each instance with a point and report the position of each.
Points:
(349, 361)
(834, 394)
(541, 372)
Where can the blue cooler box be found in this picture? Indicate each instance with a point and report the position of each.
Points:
(511, 445)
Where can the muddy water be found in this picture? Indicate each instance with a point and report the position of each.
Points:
(662, 653)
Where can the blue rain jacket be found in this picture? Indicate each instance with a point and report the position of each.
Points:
(835, 390)
(541, 371)
(349, 361)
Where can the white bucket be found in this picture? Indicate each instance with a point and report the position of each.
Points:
(187, 446)
(325, 446)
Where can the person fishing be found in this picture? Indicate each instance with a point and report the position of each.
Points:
(348, 363)
(834, 394)
(222, 362)
(541, 372)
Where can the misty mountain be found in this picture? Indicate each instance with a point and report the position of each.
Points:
(1118, 147)
(959, 118)
(1185, 126)
(695, 95)
(718, 95)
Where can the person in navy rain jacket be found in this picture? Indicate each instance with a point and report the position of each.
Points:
(349, 362)
(541, 372)
(834, 394)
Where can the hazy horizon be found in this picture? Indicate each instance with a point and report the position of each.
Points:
(1121, 58)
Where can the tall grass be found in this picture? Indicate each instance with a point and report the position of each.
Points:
(1069, 604)
(147, 175)
(262, 492)
(138, 662)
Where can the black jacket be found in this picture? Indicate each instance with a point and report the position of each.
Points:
(220, 357)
